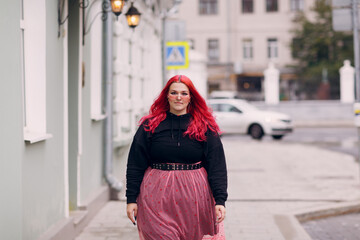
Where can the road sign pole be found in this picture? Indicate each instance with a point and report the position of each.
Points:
(357, 58)
(356, 47)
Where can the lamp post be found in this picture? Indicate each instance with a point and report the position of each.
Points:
(132, 16)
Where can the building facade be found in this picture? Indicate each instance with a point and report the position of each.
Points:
(53, 113)
(240, 38)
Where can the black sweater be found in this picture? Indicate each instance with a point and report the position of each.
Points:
(169, 145)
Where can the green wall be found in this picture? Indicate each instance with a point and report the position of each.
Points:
(11, 123)
(91, 166)
(32, 176)
(43, 162)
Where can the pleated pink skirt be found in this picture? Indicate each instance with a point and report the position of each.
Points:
(177, 205)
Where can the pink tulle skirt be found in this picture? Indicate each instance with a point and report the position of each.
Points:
(177, 205)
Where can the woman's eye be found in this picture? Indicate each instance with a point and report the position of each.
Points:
(173, 93)
(184, 94)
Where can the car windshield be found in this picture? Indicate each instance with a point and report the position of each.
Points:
(244, 105)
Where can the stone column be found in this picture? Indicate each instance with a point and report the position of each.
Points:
(347, 83)
(271, 84)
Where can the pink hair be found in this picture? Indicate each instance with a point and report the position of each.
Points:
(202, 117)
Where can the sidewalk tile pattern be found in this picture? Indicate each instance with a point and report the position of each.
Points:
(265, 179)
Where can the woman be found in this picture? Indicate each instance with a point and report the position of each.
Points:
(176, 171)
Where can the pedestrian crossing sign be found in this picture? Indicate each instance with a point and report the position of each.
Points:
(177, 55)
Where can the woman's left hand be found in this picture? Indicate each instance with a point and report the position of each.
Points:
(220, 213)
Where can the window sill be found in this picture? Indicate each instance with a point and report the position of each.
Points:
(34, 137)
(98, 117)
(121, 142)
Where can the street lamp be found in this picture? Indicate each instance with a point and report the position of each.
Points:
(117, 6)
(133, 16)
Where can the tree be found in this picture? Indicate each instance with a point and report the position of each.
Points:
(319, 51)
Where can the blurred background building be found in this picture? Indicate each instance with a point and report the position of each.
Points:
(240, 38)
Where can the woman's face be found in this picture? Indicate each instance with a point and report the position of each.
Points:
(179, 98)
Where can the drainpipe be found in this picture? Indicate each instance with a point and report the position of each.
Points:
(115, 185)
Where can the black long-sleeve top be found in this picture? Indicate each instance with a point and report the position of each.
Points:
(169, 145)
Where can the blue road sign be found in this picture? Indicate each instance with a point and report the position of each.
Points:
(177, 55)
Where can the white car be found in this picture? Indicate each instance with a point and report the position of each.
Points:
(239, 116)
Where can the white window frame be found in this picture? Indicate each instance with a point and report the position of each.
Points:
(213, 53)
(297, 5)
(272, 48)
(247, 49)
(208, 7)
(33, 25)
(96, 68)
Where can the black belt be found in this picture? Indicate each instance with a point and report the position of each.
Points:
(175, 166)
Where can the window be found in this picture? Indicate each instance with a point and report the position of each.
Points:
(247, 49)
(213, 50)
(225, 108)
(228, 108)
(249, 83)
(33, 29)
(247, 6)
(215, 107)
(297, 5)
(191, 43)
(208, 7)
(272, 48)
(271, 5)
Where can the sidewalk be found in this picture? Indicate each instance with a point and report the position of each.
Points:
(269, 183)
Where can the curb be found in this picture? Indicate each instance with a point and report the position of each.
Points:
(309, 124)
(328, 211)
(290, 227)
(290, 224)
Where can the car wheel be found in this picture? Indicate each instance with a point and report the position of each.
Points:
(256, 131)
(277, 137)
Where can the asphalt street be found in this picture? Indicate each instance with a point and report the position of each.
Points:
(341, 139)
(344, 227)
(344, 140)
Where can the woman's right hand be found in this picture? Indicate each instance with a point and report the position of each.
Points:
(131, 210)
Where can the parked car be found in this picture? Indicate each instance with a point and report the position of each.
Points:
(239, 116)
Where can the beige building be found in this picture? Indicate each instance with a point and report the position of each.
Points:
(240, 38)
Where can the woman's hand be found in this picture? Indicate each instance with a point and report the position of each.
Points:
(220, 213)
(131, 210)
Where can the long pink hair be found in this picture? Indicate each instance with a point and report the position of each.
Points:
(202, 117)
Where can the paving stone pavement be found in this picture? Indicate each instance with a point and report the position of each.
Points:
(268, 182)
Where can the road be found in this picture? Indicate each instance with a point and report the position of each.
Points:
(343, 139)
